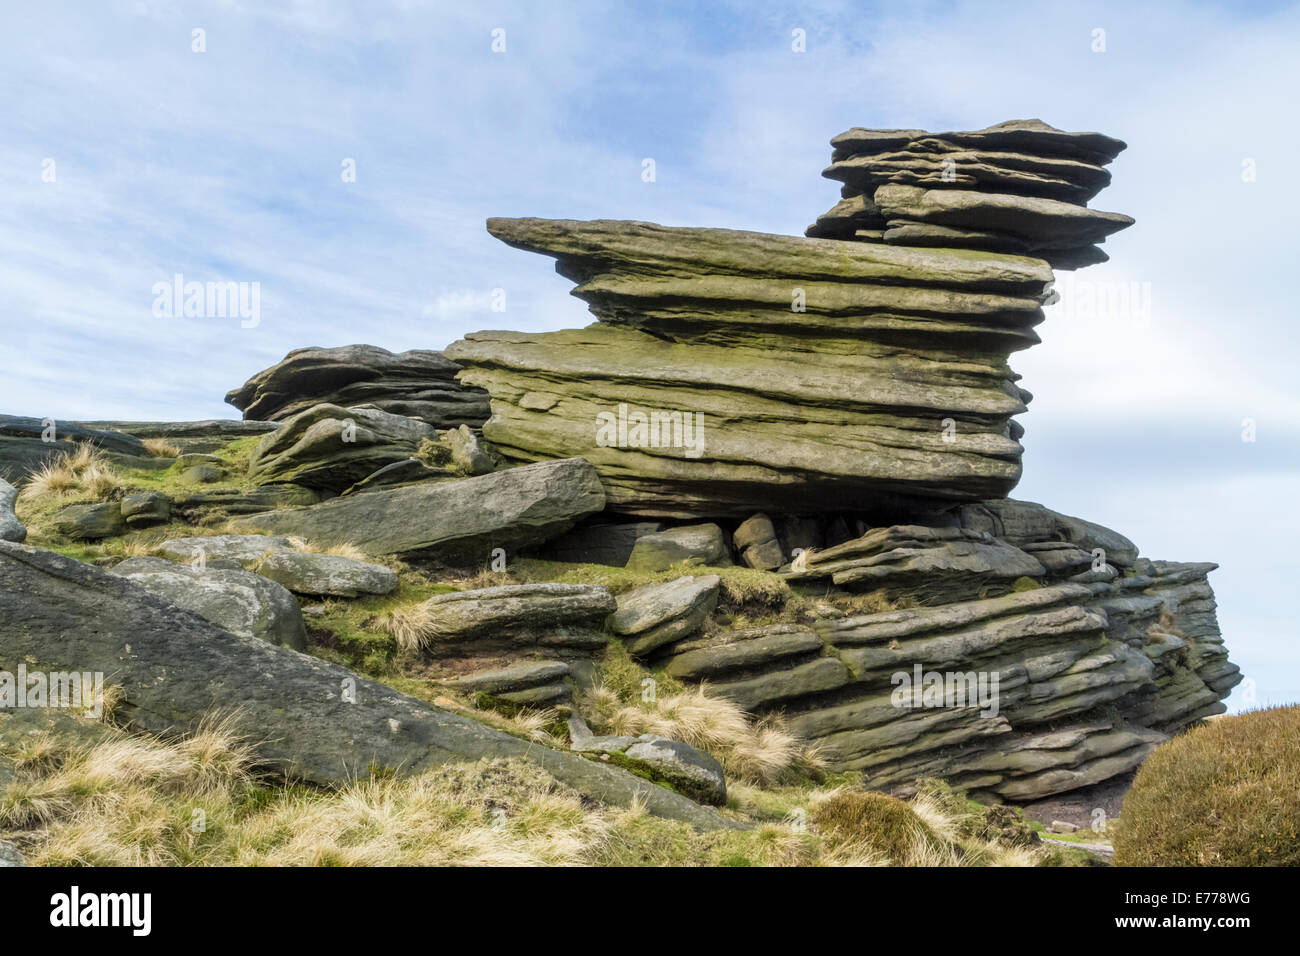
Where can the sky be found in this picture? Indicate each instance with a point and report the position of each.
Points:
(133, 148)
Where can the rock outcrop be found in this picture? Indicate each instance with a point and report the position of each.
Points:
(420, 384)
(311, 720)
(1020, 187)
(455, 522)
(11, 529)
(736, 371)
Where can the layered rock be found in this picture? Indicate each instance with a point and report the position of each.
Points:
(328, 447)
(306, 718)
(735, 371)
(1020, 187)
(419, 383)
(1018, 696)
(461, 522)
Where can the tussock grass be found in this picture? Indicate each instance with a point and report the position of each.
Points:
(134, 800)
(84, 473)
(756, 751)
(1223, 794)
(161, 448)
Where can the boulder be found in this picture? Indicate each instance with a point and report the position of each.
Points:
(309, 719)
(685, 768)
(195, 505)
(329, 448)
(11, 529)
(202, 474)
(326, 575)
(757, 543)
(526, 675)
(90, 522)
(701, 544)
(420, 384)
(924, 565)
(405, 472)
(455, 522)
(558, 615)
(246, 549)
(146, 508)
(467, 455)
(1023, 522)
(651, 616)
(240, 602)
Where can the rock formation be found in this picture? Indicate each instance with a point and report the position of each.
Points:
(731, 371)
(1019, 187)
(418, 383)
(833, 413)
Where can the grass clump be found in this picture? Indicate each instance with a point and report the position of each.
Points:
(628, 701)
(884, 824)
(84, 474)
(1223, 794)
(161, 448)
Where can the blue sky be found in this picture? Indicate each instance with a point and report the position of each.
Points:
(225, 165)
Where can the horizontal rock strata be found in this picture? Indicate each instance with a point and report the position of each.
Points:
(732, 371)
(461, 522)
(419, 383)
(1019, 187)
(308, 719)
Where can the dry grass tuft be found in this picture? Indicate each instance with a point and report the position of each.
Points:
(1223, 794)
(161, 448)
(85, 472)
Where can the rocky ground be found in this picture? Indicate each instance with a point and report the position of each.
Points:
(701, 548)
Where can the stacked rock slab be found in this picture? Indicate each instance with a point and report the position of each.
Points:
(736, 371)
(419, 383)
(1019, 187)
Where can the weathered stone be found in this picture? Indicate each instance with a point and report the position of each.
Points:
(329, 447)
(757, 542)
(526, 674)
(326, 574)
(844, 397)
(405, 472)
(546, 614)
(418, 383)
(743, 650)
(202, 474)
(242, 603)
(687, 769)
(181, 668)
(11, 529)
(467, 456)
(926, 565)
(701, 544)
(246, 549)
(146, 508)
(653, 615)
(457, 521)
(234, 501)
(1023, 522)
(90, 522)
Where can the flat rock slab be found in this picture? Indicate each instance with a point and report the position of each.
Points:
(654, 615)
(514, 678)
(326, 575)
(457, 522)
(312, 720)
(243, 603)
(247, 549)
(541, 612)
